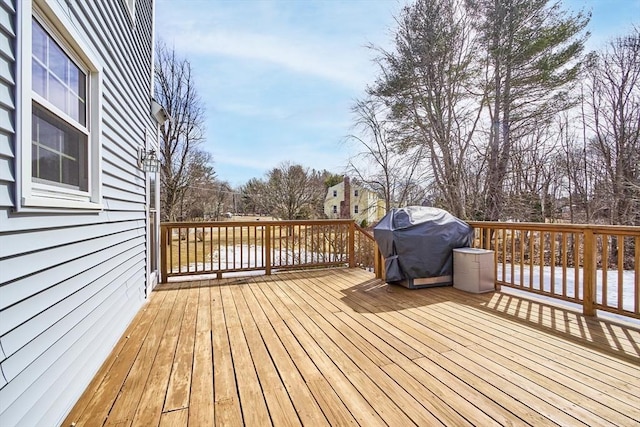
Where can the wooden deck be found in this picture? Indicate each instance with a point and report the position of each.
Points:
(337, 347)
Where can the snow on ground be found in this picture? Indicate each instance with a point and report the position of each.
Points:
(613, 288)
(251, 256)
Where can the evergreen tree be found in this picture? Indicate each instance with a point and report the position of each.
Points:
(532, 51)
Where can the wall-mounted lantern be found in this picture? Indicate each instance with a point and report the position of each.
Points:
(148, 160)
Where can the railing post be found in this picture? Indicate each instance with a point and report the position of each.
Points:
(163, 253)
(589, 273)
(486, 243)
(636, 264)
(378, 262)
(352, 244)
(267, 249)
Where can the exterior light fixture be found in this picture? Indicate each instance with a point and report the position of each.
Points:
(148, 160)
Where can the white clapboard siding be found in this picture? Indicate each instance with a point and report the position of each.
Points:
(121, 205)
(36, 262)
(6, 144)
(23, 357)
(6, 169)
(7, 104)
(30, 285)
(6, 40)
(58, 300)
(37, 379)
(12, 223)
(22, 242)
(124, 182)
(6, 98)
(57, 401)
(5, 19)
(6, 68)
(70, 283)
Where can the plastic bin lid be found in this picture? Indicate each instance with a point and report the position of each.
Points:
(472, 250)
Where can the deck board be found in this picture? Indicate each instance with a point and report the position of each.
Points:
(338, 347)
(125, 404)
(180, 380)
(200, 410)
(279, 404)
(249, 387)
(319, 388)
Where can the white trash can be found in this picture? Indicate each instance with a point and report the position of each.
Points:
(473, 270)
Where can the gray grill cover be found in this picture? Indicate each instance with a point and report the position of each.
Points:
(417, 242)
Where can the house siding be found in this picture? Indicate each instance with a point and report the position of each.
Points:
(71, 283)
(7, 102)
(370, 207)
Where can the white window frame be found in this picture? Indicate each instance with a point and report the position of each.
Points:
(334, 209)
(335, 193)
(60, 26)
(355, 209)
(355, 193)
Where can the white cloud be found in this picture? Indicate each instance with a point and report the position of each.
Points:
(313, 38)
(301, 56)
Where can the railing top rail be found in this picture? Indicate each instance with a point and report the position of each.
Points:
(192, 224)
(365, 232)
(538, 226)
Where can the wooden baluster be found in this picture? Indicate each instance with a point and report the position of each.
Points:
(267, 249)
(163, 252)
(564, 264)
(576, 265)
(589, 274)
(605, 269)
(620, 243)
(636, 267)
(541, 243)
(352, 244)
(552, 262)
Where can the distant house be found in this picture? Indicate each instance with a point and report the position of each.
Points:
(347, 200)
(78, 214)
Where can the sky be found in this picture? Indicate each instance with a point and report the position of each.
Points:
(278, 77)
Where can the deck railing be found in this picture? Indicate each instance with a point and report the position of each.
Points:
(194, 248)
(593, 265)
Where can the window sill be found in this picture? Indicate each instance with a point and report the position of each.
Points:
(44, 204)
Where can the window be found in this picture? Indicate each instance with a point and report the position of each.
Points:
(59, 118)
(335, 209)
(58, 114)
(355, 209)
(355, 193)
(335, 193)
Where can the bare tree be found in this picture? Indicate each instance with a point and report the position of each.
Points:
(220, 200)
(194, 200)
(295, 192)
(531, 177)
(255, 197)
(572, 163)
(180, 159)
(614, 118)
(394, 173)
(289, 191)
